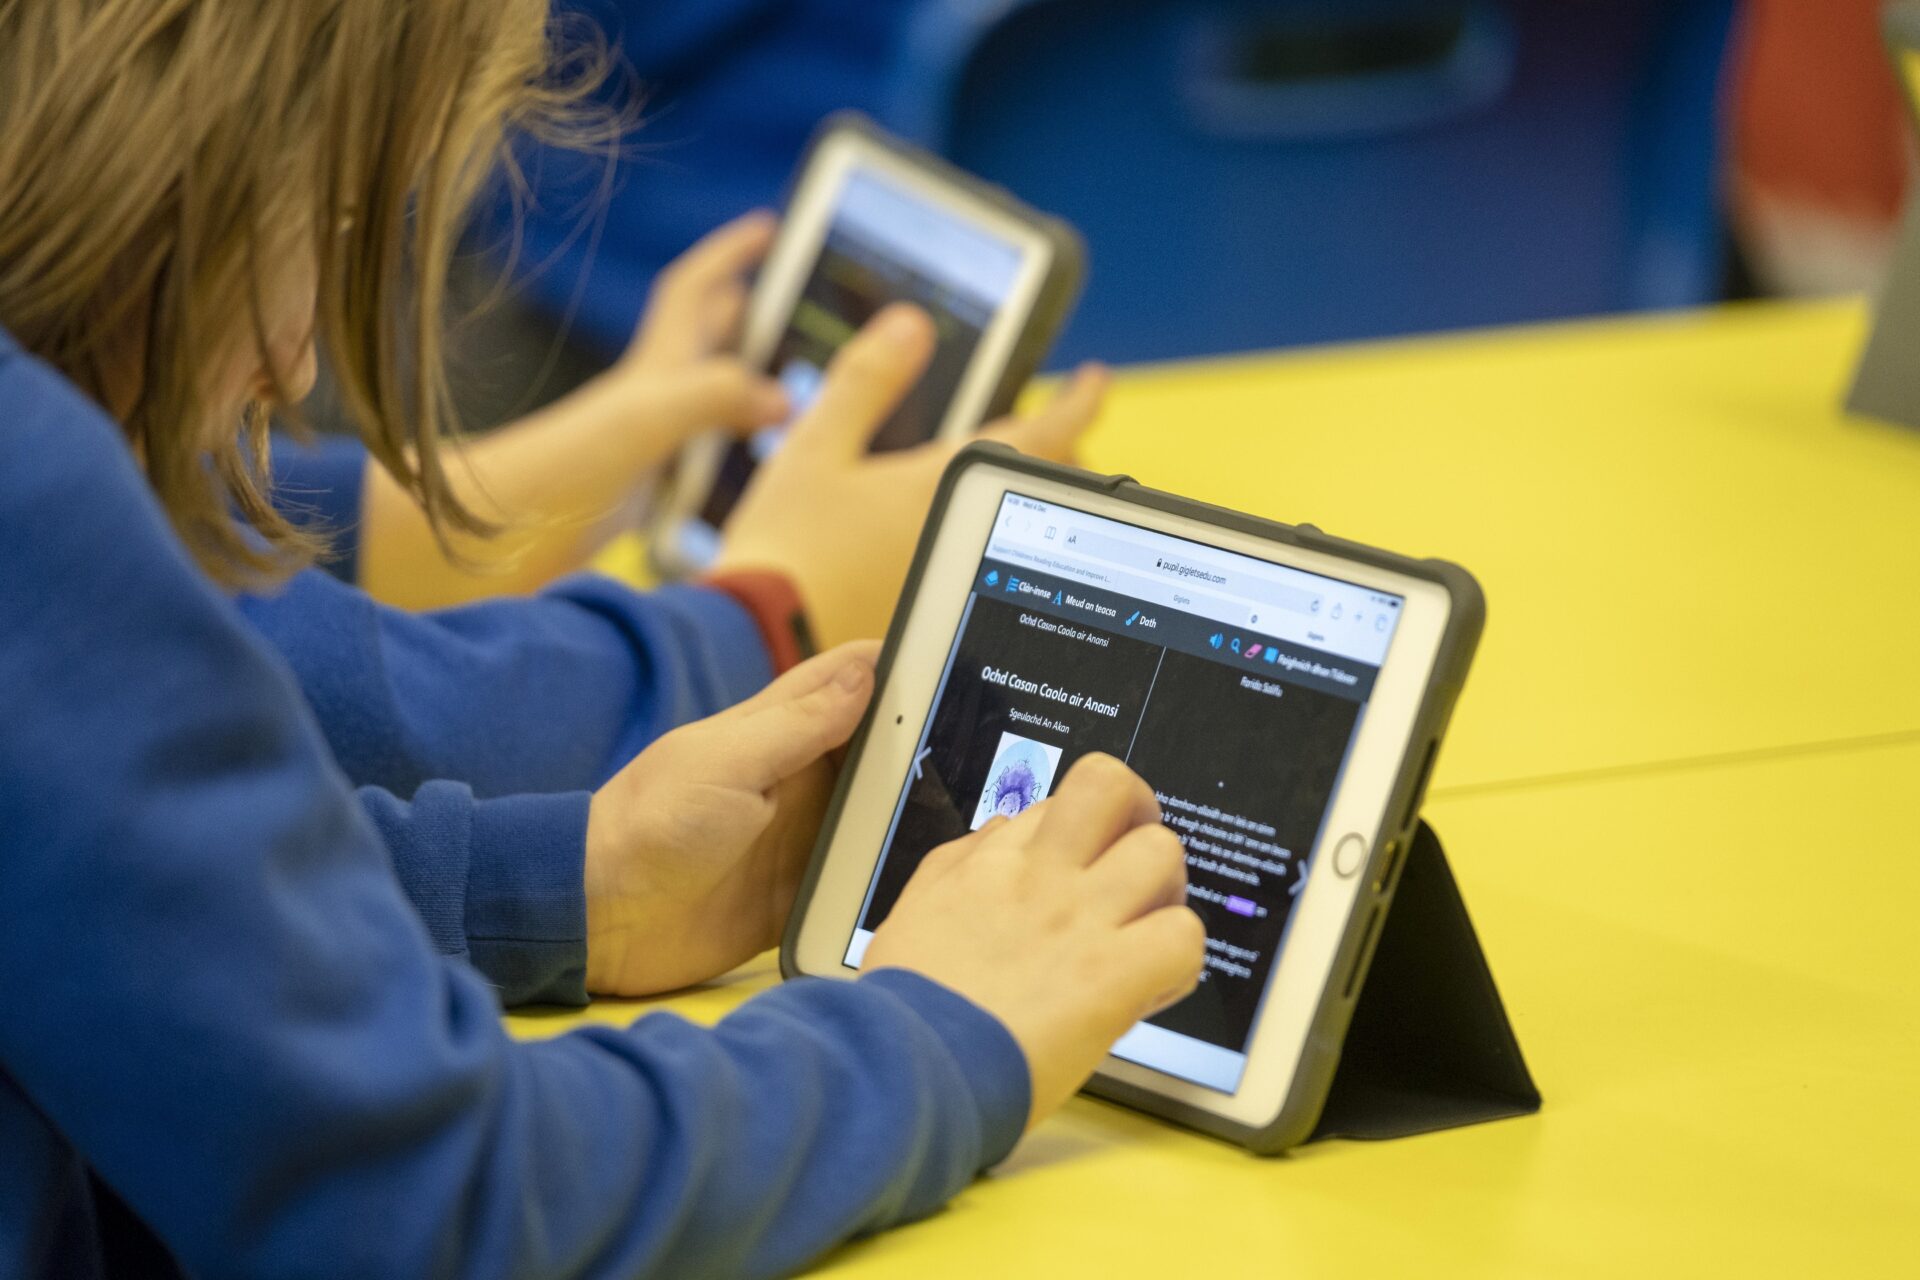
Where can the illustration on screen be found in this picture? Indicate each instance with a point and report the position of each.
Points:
(1020, 778)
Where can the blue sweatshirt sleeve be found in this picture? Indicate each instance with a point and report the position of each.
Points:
(318, 484)
(553, 692)
(217, 996)
(498, 883)
(512, 698)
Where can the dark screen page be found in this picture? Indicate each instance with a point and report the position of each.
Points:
(1241, 730)
(883, 246)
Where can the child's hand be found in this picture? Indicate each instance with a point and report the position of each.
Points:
(840, 522)
(678, 377)
(1067, 923)
(697, 301)
(564, 479)
(695, 849)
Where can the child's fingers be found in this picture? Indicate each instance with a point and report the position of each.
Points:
(800, 717)
(726, 308)
(1165, 951)
(1053, 432)
(865, 382)
(717, 394)
(1099, 801)
(808, 676)
(1144, 870)
(721, 256)
(680, 324)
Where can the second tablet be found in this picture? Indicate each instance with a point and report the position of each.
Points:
(872, 221)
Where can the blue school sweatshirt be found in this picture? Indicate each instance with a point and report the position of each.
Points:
(476, 734)
(228, 1047)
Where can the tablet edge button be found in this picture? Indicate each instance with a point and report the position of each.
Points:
(1350, 855)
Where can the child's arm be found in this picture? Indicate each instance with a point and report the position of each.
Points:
(512, 698)
(564, 479)
(683, 866)
(219, 1000)
(551, 693)
(220, 1003)
(500, 883)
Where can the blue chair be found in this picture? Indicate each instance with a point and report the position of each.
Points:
(1261, 173)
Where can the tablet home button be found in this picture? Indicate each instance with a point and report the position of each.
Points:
(1350, 855)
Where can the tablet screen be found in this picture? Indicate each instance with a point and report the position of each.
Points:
(883, 244)
(1233, 685)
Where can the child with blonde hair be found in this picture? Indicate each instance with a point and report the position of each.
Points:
(229, 1046)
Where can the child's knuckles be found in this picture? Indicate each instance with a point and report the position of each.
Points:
(730, 382)
(1187, 937)
(867, 365)
(799, 722)
(1168, 855)
(1100, 774)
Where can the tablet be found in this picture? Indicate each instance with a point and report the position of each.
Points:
(1282, 691)
(1900, 29)
(872, 221)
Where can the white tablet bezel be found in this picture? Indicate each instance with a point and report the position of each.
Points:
(1323, 914)
(791, 260)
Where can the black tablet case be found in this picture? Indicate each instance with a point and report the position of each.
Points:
(1425, 1043)
(1052, 306)
(1886, 385)
(1429, 1046)
(1060, 289)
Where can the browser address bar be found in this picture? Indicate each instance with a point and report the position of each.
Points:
(1206, 603)
(1239, 587)
(1071, 561)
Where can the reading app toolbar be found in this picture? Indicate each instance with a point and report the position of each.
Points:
(1225, 587)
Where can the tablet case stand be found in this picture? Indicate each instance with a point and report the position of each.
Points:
(1886, 386)
(1425, 1043)
(1429, 1046)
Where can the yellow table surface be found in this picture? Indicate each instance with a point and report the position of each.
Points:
(1672, 517)
(1715, 976)
(1687, 549)
(1676, 795)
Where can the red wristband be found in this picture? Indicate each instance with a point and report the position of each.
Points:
(773, 603)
